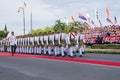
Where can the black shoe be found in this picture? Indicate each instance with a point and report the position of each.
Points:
(80, 56)
(71, 56)
(83, 52)
(63, 56)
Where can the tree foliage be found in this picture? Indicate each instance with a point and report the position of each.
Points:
(3, 34)
(59, 26)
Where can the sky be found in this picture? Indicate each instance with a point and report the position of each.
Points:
(46, 12)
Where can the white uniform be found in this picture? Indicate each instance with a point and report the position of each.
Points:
(49, 50)
(68, 39)
(41, 40)
(63, 36)
(28, 39)
(35, 50)
(23, 40)
(20, 49)
(66, 49)
(18, 43)
(37, 39)
(27, 49)
(82, 37)
(30, 50)
(46, 39)
(17, 50)
(76, 47)
(8, 49)
(80, 51)
(77, 38)
(62, 51)
(57, 37)
(12, 40)
(51, 38)
(71, 51)
(39, 50)
(45, 50)
(32, 40)
(56, 50)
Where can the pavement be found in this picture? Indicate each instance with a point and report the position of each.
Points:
(32, 68)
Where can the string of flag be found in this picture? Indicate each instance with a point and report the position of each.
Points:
(86, 19)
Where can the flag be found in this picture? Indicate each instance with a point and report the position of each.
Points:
(88, 17)
(66, 20)
(20, 9)
(97, 14)
(115, 20)
(109, 21)
(100, 23)
(93, 23)
(24, 5)
(81, 16)
(86, 24)
(72, 19)
(107, 12)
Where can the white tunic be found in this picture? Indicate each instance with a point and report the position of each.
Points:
(32, 40)
(77, 38)
(63, 36)
(57, 37)
(41, 39)
(68, 39)
(37, 39)
(12, 40)
(46, 39)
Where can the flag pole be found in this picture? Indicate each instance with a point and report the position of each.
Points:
(31, 18)
(23, 22)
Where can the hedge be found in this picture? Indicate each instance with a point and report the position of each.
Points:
(105, 46)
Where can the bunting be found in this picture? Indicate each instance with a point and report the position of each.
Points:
(72, 19)
(86, 24)
(88, 17)
(97, 14)
(81, 16)
(109, 21)
(93, 23)
(100, 23)
(115, 20)
(24, 5)
(107, 12)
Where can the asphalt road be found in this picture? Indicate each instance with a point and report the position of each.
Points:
(104, 57)
(15, 68)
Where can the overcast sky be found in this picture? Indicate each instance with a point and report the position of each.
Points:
(45, 12)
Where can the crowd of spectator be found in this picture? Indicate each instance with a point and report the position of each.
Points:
(105, 35)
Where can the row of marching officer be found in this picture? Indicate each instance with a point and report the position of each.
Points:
(58, 44)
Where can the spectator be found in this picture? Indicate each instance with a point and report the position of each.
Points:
(98, 39)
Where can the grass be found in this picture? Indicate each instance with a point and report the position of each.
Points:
(103, 51)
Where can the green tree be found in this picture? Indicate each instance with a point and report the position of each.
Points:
(59, 26)
(3, 34)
